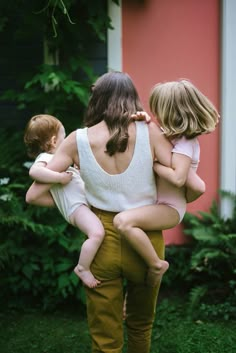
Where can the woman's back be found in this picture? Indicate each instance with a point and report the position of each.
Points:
(123, 180)
(98, 136)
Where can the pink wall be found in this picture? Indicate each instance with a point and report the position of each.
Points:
(170, 39)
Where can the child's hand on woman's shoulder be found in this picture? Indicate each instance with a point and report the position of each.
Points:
(141, 116)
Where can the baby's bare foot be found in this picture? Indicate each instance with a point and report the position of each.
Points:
(155, 274)
(86, 277)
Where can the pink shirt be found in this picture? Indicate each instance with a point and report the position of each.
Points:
(188, 147)
(167, 193)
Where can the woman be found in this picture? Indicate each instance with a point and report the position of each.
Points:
(115, 156)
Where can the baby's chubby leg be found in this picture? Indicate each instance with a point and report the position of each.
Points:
(84, 219)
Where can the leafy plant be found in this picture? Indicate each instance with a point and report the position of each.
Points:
(178, 272)
(38, 248)
(213, 259)
(60, 82)
(55, 90)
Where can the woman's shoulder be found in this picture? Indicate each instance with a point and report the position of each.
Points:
(154, 130)
(70, 142)
(71, 137)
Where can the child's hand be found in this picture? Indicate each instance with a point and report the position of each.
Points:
(156, 167)
(65, 177)
(141, 116)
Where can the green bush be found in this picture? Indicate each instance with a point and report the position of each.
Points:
(178, 272)
(205, 268)
(212, 264)
(38, 248)
(68, 36)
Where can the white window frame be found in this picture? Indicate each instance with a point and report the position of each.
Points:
(228, 100)
(114, 54)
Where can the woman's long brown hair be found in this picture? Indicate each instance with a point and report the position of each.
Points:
(114, 99)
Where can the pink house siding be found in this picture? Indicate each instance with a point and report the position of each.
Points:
(169, 39)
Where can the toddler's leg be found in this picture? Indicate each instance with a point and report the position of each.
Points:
(88, 223)
(131, 224)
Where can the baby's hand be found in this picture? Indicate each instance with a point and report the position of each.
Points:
(141, 116)
(65, 178)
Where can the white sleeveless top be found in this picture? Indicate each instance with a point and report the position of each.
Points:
(134, 187)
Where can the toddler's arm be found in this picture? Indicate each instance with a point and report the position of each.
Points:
(178, 172)
(195, 186)
(182, 175)
(41, 174)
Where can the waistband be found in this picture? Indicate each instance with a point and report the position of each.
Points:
(103, 213)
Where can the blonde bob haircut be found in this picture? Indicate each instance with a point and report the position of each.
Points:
(182, 109)
(39, 133)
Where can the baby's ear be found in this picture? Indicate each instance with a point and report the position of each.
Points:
(53, 141)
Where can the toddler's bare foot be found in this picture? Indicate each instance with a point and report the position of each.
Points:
(86, 277)
(155, 274)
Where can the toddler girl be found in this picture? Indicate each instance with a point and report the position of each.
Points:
(184, 113)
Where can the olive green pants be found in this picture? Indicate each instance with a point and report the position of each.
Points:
(114, 262)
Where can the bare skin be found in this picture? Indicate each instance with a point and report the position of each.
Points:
(86, 221)
(82, 218)
(146, 218)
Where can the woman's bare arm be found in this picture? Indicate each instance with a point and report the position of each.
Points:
(39, 194)
(66, 155)
(162, 148)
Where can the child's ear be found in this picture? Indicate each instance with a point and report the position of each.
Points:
(53, 141)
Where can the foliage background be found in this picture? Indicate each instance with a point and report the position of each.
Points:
(58, 40)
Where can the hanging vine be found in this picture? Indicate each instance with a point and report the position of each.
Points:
(56, 4)
(71, 30)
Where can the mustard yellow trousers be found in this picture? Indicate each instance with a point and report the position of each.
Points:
(114, 262)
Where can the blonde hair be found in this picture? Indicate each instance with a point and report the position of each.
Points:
(183, 110)
(39, 132)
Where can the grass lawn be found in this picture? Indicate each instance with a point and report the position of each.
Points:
(66, 331)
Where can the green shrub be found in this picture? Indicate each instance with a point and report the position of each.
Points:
(212, 264)
(68, 36)
(38, 248)
(176, 277)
